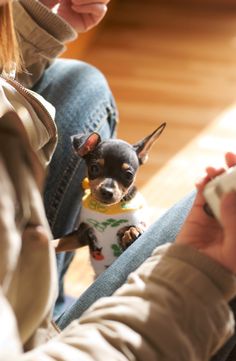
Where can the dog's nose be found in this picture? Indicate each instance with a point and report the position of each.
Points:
(106, 193)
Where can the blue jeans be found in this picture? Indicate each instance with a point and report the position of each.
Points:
(83, 103)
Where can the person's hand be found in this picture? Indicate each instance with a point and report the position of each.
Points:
(3, 2)
(204, 232)
(82, 15)
(49, 3)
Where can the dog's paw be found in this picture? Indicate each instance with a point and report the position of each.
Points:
(127, 235)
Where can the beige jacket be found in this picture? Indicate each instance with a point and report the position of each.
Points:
(175, 307)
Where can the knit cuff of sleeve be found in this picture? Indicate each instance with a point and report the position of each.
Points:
(222, 278)
(49, 21)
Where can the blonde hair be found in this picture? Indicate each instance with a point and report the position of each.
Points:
(9, 51)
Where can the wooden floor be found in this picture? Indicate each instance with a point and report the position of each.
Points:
(172, 62)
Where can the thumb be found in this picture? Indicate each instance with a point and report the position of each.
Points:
(228, 214)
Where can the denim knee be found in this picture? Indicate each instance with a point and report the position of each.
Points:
(80, 93)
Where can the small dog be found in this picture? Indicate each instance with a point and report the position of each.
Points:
(113, 214)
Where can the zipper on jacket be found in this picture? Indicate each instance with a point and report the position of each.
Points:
(49, 121)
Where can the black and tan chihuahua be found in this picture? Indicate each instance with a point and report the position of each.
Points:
(113, 211)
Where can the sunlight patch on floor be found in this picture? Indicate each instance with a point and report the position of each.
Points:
(178, 176)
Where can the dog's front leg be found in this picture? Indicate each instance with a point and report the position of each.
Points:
(76, 239)
(128, 234)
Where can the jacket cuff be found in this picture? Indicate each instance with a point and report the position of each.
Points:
(49, 21)
(222, 278)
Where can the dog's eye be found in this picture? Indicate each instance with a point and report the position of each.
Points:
(94, 169)
(128, 175)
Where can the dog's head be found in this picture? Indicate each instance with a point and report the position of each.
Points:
(112, 164)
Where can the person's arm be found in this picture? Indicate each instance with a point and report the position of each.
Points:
(43, 30)
(42, 35)
(174, 307)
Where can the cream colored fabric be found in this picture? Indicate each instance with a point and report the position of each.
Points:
(28, 137)
(174, 307)
(42, 37)
(36, 118)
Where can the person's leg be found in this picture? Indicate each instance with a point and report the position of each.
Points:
(83, 103)
(162, 231)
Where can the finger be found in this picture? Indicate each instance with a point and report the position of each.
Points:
(49, 3)
(88, 8)
(230, 159)
(97, 10)
(211, 173)
(214, 172)
(201, 182)
(89, 2)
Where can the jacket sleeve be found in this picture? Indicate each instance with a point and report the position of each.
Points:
(173, 307)
(9, 249)
(42, 37)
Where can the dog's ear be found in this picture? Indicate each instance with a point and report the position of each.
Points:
(84, 143)
(143, 146)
